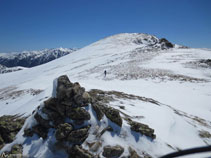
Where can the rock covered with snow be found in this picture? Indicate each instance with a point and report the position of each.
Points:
(74, 122)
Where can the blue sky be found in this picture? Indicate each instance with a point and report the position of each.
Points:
(38, 24)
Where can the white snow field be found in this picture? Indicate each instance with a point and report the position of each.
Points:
(136, 65)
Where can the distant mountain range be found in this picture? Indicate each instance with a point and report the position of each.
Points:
(32, 58)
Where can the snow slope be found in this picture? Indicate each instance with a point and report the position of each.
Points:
(136, 64)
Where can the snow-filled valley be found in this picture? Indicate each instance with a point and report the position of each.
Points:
(169, 89)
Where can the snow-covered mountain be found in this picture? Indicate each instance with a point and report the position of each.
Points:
(32, 58)
(149, 81)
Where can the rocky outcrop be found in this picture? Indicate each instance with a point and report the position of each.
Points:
(113, 151)
(63, 131)
(78, 136)
(142, 129)
(206, 61)
(69, 102)
(68, 115)
(165, 44)
(9, 127)
(33, 58)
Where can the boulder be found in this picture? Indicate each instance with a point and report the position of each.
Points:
(63, 131)
(77, 89)
(63, 83)
(113, 115)
(77, 114)
(133, 153)
(142, 129)
(112, 151)
(98, 111)
(43, 122)
(55, 105)
(79, 152)
(78, 136)
(55, 117)
(51, 103)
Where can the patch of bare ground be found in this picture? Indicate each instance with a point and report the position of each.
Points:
(206, 136)
(13, 92)
(107, 96)
(203, 63)
(163, 75)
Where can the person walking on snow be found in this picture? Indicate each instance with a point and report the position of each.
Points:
(105, 73)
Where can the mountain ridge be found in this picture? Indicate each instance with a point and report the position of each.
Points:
(32, 58)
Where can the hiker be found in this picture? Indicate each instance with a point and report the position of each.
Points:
(105, 73)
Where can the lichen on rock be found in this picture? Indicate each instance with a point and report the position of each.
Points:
(113, 115)
(9, 127)
(142, 129)
(112, 151)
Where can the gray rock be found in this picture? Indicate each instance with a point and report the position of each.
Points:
(79, 152)
(63, 131)
(78, 136)
(78, 114)
(51, 104)
(98, 111)
(142, 129)
(63, 83)
(43, 122)
(77, 89)
(112, 151)
(113, 115)
(55, 117)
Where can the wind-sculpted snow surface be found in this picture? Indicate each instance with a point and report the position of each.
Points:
(167, 88)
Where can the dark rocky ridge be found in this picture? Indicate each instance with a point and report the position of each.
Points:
(33, 58)
(71, 104)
